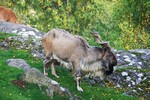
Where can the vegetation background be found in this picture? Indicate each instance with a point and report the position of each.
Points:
(125, 23)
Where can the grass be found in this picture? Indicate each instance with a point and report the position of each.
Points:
(91, 92)
(3, 36)
(10, 91)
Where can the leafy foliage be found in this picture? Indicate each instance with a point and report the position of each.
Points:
(133, 21)
(125, 23)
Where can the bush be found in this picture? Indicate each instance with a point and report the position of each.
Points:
(116, 21)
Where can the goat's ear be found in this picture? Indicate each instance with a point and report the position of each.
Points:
(105, 44)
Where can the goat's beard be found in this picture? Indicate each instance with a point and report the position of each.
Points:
(100, 74)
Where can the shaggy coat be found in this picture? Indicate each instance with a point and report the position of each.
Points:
(75, 50)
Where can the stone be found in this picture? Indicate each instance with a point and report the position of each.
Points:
(148, 96)
(138, 58)
(19, 29)
(124, 74)
(128, 78)
(38, 54)
(140, 75)
(18, 63)
(131, 92)
(140, 51)
(148, 74)
(34, 76)
(4, 44)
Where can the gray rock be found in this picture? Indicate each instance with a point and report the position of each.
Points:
(146, 57)
(148, 96)
(18, 63)
(140, 51)
(34, 76)
(124, 74)
(38, 54)
(4, 44)
(19, 29)
(28, 43)
(131, 92)
(138, 58)
(148, 74)
(128, 79)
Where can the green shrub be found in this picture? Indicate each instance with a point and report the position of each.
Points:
(122, 22)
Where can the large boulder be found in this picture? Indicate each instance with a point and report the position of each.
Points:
(27, 38)
(19, 29)
(34, 76)
(138, 58)
(19, 63)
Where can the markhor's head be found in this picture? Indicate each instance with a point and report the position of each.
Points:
(108, 57)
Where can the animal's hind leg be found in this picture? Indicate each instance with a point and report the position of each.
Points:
(53, 70)
(46, 63)
(48, 51)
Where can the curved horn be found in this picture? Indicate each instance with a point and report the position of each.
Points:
(97, 36)
(99, 40)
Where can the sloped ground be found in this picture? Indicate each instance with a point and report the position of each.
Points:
(130, 78)
(34, 92)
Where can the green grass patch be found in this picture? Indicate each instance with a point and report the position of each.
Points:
(3, 36)
(91, 92)
(10, 91)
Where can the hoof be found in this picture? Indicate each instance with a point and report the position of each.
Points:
(56, 76)
(46, 74)
(80, 89)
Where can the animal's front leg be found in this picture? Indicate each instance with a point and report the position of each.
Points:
(78, 80)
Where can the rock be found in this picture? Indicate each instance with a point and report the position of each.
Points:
(19, 29)
(18, 63)
(148, 74)
(34, 76)
(38, 54)
(140, 51)
(137, 58)
(128, 79)
(124, 74)
(32, 44)
(4, 44)
(131, 92)
(148, 96)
